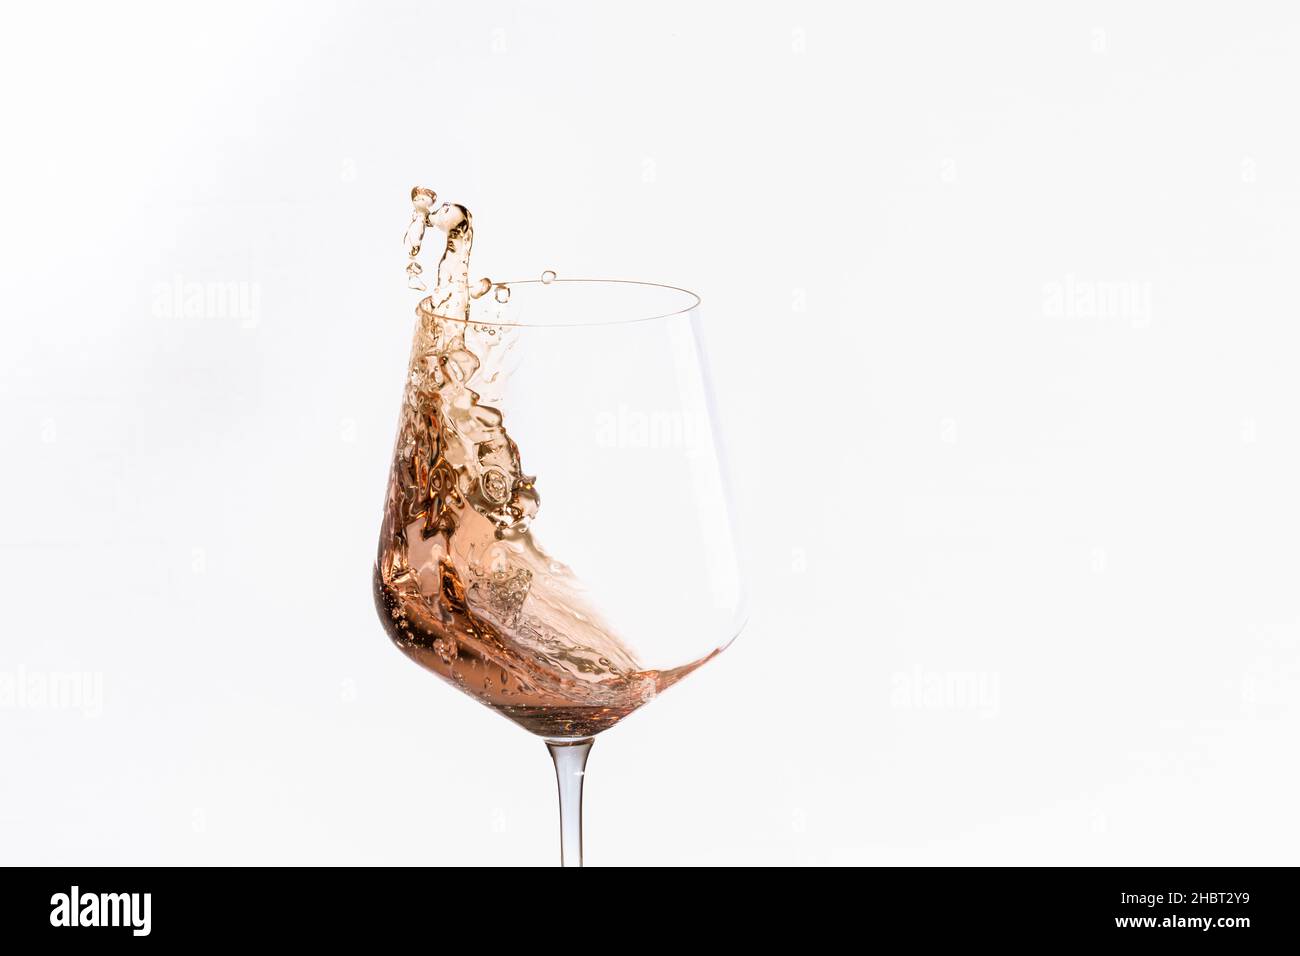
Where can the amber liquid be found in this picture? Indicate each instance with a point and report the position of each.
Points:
(461, 584)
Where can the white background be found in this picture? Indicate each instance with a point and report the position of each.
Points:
(1023, 564)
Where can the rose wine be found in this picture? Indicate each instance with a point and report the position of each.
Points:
(461, 583)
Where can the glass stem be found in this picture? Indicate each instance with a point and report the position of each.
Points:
(570, 758)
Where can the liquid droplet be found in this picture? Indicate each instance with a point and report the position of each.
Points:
(548, 277)
(413, 280)
(414, 236)
(503, 294)
(423, 199)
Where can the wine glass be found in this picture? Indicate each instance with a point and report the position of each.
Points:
(557, 538)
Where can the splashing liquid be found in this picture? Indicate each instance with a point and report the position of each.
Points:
(462, 586)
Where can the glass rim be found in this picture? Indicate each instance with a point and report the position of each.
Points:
(692, 303)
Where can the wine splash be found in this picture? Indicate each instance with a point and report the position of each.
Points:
(462, 586)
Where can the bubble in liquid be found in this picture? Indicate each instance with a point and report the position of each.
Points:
(503, 294)
(496, 486)
(548, 276)
(480, 288)
(447, 649)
